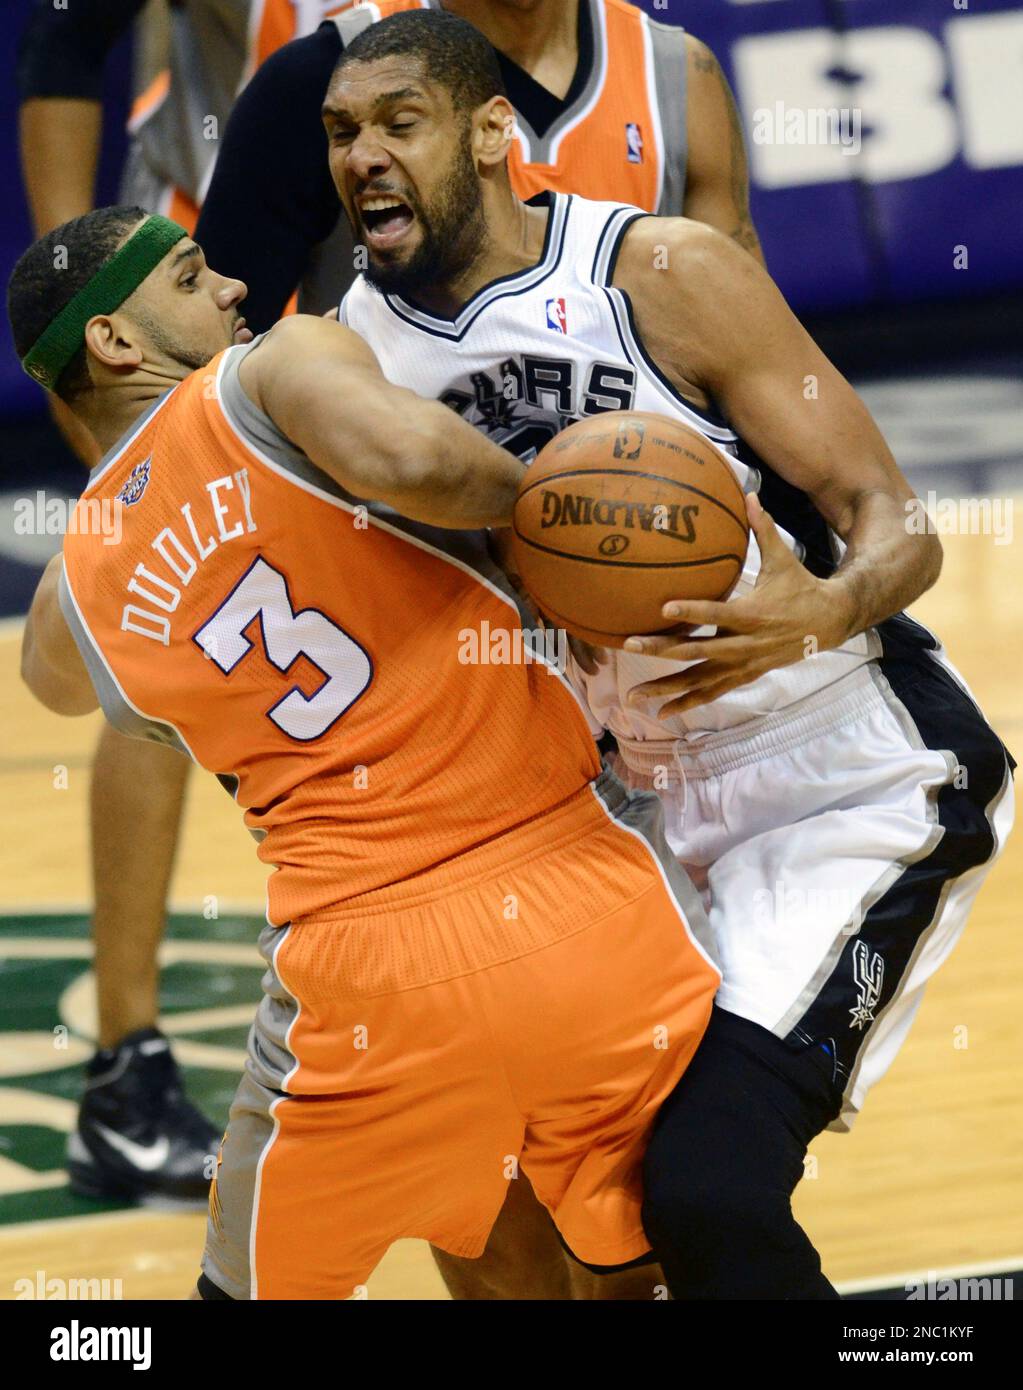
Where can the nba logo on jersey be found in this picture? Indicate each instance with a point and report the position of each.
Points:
(556, 316)
(633, 143)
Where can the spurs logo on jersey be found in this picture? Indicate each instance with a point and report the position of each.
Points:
(499, 365)
(529, 399)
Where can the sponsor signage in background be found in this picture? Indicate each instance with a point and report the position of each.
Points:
(885, 141)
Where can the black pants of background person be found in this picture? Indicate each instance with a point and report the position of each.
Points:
(724, 1160)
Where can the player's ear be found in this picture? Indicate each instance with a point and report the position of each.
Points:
(111, 340)
(493, 130)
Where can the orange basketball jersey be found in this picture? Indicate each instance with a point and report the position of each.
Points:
(623, 137)
(359, 683)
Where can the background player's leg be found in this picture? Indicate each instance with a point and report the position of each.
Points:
(133, 1100)
(523, 1258)
(136, 800)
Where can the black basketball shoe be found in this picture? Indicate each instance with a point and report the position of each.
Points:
(138, 1138)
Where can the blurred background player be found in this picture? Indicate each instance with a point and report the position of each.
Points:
(137, 1134)
(610, 104)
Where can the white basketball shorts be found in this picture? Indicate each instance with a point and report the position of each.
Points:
(839, 846)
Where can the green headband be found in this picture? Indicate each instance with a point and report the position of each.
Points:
(105, 292)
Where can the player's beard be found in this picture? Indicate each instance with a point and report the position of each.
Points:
(452, 233)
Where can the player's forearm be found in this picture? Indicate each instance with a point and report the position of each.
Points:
(418, 457)
(464, 481)
(60, 139)
(744, 347)
(886, 566)
(62, 53)
(51, 665)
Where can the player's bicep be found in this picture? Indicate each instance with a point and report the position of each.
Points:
(322, 386)
(793, 406)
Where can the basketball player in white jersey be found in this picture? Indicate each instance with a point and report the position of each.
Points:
(825, 774)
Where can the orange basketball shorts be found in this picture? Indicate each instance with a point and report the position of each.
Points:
(526, 1006)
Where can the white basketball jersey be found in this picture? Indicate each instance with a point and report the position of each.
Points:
(531, 353)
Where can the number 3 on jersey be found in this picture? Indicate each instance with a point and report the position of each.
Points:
(263, 591)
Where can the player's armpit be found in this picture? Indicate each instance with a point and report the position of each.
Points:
(321, 385)
(717, 169)
(51, 664)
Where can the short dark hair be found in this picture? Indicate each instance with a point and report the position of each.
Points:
(53, 270)
(452, 50)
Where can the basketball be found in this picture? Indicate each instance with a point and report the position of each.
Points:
(621, 513)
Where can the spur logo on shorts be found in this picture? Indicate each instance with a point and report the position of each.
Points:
(868, 975)
(136, 484)
(633, 143)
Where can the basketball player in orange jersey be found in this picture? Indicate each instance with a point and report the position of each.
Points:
(137, 1135)
(477, 951)
(617, 106)
(816, 743)
(609, 103)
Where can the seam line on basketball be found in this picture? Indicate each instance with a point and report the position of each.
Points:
(613, 563)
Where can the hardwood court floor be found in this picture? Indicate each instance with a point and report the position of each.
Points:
(930, 1179)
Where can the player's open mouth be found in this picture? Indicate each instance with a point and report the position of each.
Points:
(386, 220)
(240, 333)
